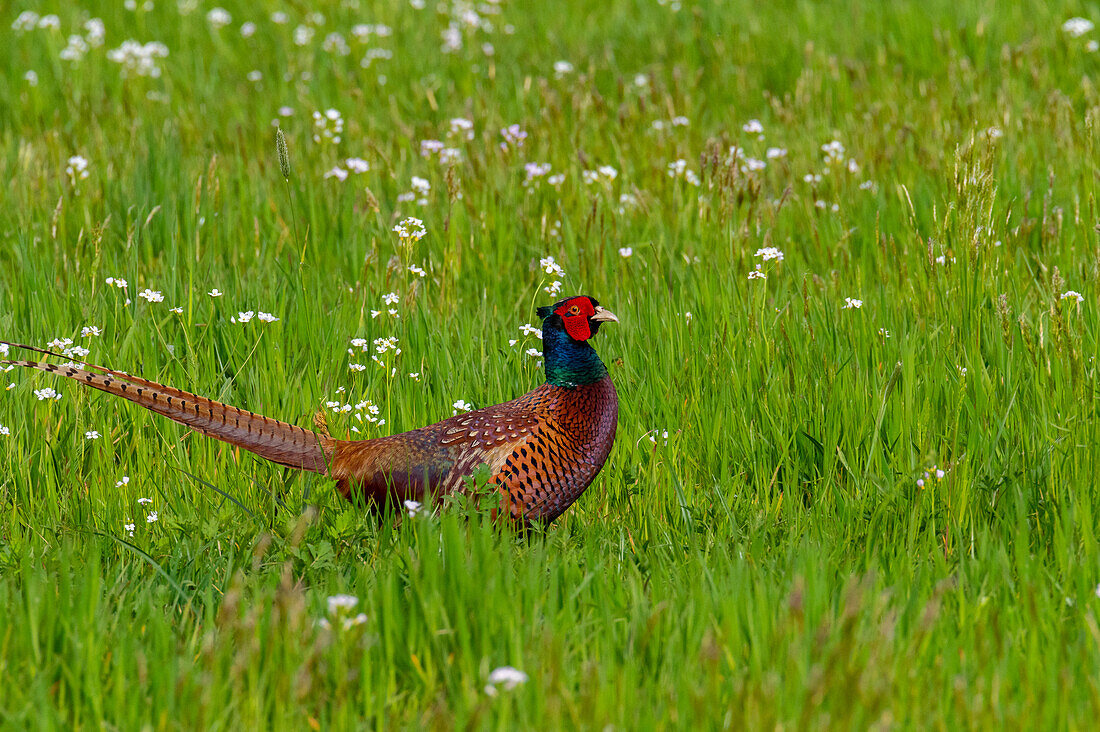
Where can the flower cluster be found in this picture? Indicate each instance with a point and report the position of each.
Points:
(76, 168)
(603, 174)
(679, 169)
(340, 608)
(328, 126)
(552, 268)
(139, 59)
(410, 230)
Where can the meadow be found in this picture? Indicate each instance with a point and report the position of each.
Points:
(854, 252)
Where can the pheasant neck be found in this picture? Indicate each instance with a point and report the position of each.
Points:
(570, 362)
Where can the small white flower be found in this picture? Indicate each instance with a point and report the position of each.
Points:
(1092, 46)
(89, 330)
(266, 317)
(338, 173)
(391, 298)
(753, 127)
(834, 152)
(461, 406)
(357, 620)
(76, 168)
(144, 501)
(513, 135)
(215, 293)
(462, 127)
(769, 253)
(757, 274)
(246, 316)
(177, 310)
(151, 295)
(411, 229)
(1077, 27)
(91, 435)
(507, 677)
(774, 153)
(414, 375)
(152, 517)
(561, 68)
(1073, 295)
(123, 481)
(218, 18)
(884, 333)
(550, 267)
(413, 507)
(357, 367)
(129, 527)
(851, 302)
(46, 393)
(336, 603)
(31, 77)
(357, 165)
(248, 29)
(625, 252)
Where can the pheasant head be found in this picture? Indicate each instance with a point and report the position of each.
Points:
(567, 326)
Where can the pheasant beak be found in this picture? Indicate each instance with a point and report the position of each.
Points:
(603, 315)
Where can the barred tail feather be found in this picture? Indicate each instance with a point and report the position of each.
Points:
(279, 442)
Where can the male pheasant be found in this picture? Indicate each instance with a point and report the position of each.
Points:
(543, 449)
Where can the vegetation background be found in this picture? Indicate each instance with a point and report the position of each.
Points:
(818, 514)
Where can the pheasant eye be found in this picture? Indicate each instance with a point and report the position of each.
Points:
(574, 310)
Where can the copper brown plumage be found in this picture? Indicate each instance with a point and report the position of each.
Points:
(542, 449)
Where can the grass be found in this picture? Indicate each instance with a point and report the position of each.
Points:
(774, 563)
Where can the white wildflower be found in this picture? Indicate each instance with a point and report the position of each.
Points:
(1077, 27)
(507, 677)
(46, 393)
(215, 293)
(561, 68)
(625, 252)
(550, 267)
(266, 317)
(753, 127)
(244, 317)
(851, 302)
(218, 18)
(76, 168)
(411, 229)
(1073, 295)
(336, 603)
(91, 435)
(151, 295)
(461, 406)
(769, 253)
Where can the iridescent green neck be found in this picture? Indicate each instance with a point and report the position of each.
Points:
(569, 362)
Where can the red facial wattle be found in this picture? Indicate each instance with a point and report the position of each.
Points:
(574, 315)
(577, 327)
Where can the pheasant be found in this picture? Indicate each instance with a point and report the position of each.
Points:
(542, 449)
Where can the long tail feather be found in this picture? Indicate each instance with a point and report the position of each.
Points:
(280, 442)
